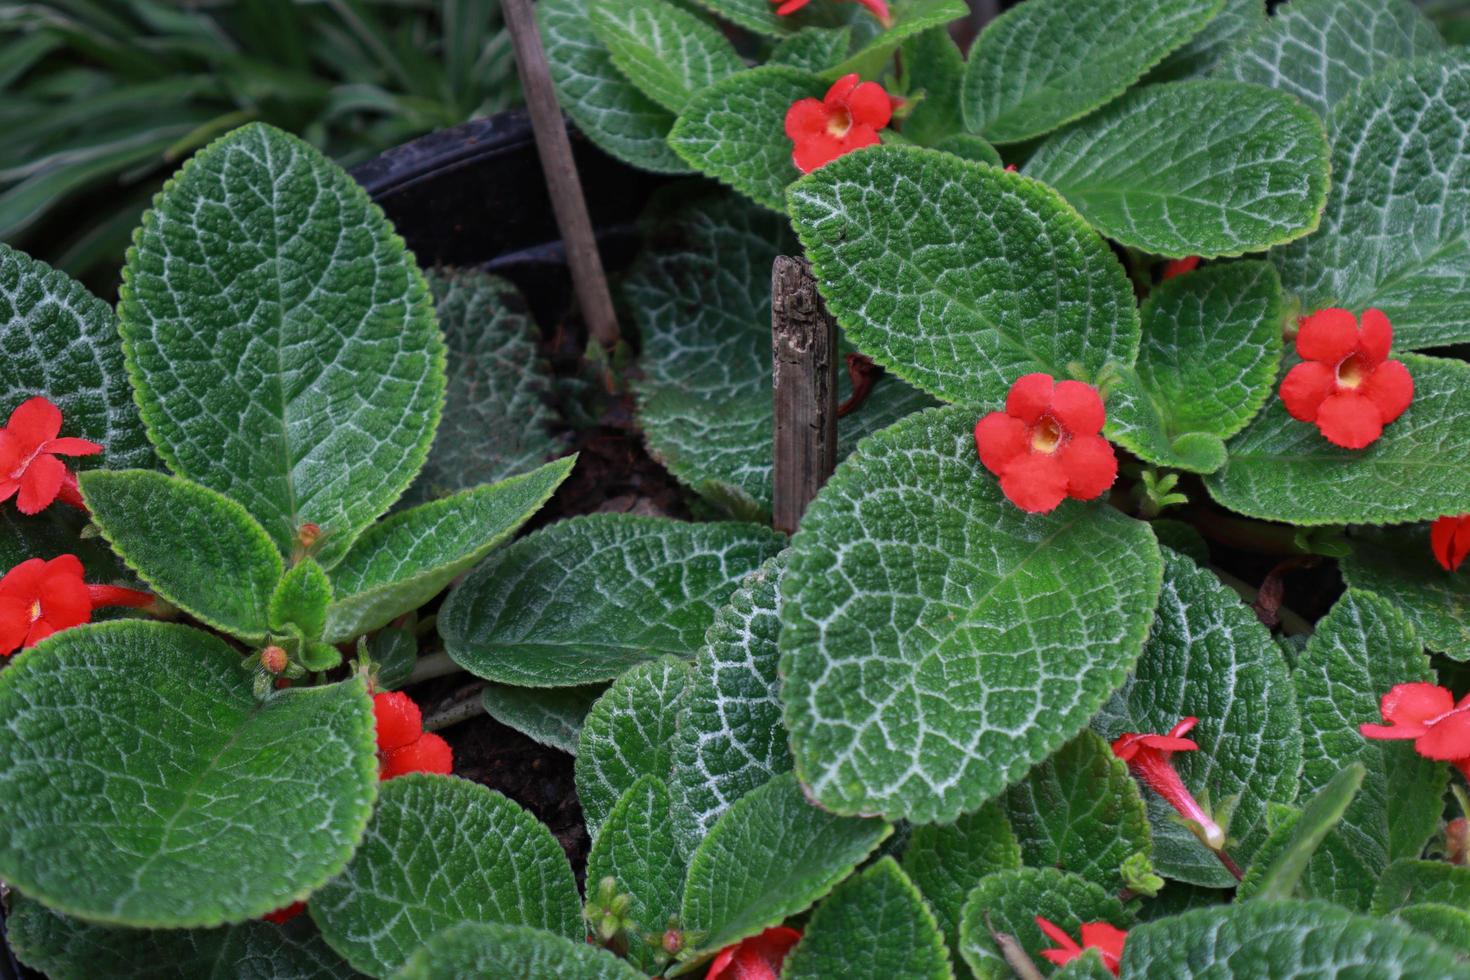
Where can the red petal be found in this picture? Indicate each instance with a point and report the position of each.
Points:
(399, 721)
(1030, 397)
(12, 453)
(859, 136)
(1415, 703)
(841, 89)
(283, 915)
(763, 955)
(24, 580)
(1327, 335)
(789, 7)
(1375, 337)
(73, 447)
(1090, 465)
(870, 105)
(805, 119)
(1035, 482)
(1350, 420)
(1461, 546)
(999, 439)
(1168, 743)
(1448, 738)
(817, 151)
(40, 484)
(40, 629)
(15, 623)
(1057, 935)
(1183, 726)
(34, 421)
(879, 9)
(1391, 388)
(1105, 937)
(1179, 267)
(1305, 388)
(429, 753)
(1078, 407)
(1442, 540)
(1391, 732)
(65, 602)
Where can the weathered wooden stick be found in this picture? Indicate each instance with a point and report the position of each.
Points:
(588, 278)
(804, 352)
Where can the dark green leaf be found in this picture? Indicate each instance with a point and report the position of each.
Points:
(635, 847)
(301, 599)
(1278, 877)
(483, 949)
(1009, 901)
(1399, 566)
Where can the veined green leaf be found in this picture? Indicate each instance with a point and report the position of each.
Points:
(933, 67)
(301, 599)
(1447, 925)
(1410, 881)
(947, 860)
(485, 949)
(910, 18)
(813, 49)
(1238, 19)
(667, 52)
(1009, 901)
(635, 847)
(1278, 877)
(1399, 566)
(551, 715)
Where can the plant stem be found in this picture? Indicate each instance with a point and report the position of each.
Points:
(1292, 623)
(465, 708)
(1242, 532)
(1230, 865)
(432, 666)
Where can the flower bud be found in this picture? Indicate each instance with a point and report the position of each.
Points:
(308, 534)
(273, 659)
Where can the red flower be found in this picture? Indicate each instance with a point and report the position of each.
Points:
(1428, 714)
(403, 745)
(283, 915)
(1045, 446)
(757, 958)
(1101, 936)
(878, 8)
(1178, 267)
(1449, 539)
(1346, 384)
(39, 597)
(1149, 757)
(847, 118)
(29, 469)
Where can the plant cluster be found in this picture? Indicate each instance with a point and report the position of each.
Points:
(1149, 315)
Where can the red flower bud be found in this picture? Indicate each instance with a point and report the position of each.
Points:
(283, 915)
(273, 659)
(308, 534)
(403, 745)
(1449, 539)
(1178, 267)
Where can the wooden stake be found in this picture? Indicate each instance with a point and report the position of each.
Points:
(804, 352)
(588, 278)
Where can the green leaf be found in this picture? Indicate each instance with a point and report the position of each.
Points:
(599, 99)
(932, 71)
(440, 851)
(497, 418)
(1009, 901)
(1282, 941)
(813, 49)
(760, 17)
(1208, 656)
(701, 297)
(1047, 62)
(874, 926)
(1251, 172)
(552, 715)
(301, 599)
(1395, 233)
(1361, 648)
(72, 949)
(960, 277)
(1350, 40)
(1399, 566)
(729, 737)
(770, 856)
(584, 599)
(1238, 19)
(280, 338)
(1208, 362)
(970, 147)
(1280, 469)
(635, 847)
(910, 18)
(197, 548)
(394, 652)
(142, 783)
(734, 131)
(629, 733)
(1080, 811)
(401, 563)
(936, 640)
(667, 52)
(60, 341)
(1411, 882)
(1318, 819)
(485, 949)
(1446, 924)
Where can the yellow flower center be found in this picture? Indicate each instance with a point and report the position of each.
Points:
(839, 122)
(1046, 436)
(35, 610)
(1350, 373)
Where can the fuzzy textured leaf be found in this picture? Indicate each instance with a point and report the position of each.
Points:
(960, 277)
(910, 19)
(1399, 566)
(880, 916)
(197, 548)
(629, 733)
(729, 737)
(440, 851)
(667, 52)
(401, 563)
(760, 17)
(1209, 358)
(73, 949)
(1360, 649)
(301, 599)
(60, 341)
(1320, 50)
(1411, 882)
(932, 64)
(1445, 924)
(813, 49)
(1237, 20)
(1010, 901)
(1208, 656)
(584, 599)
(550, 715)
(1047, 62)
(599, 99)
(487, 949)
(770, 856)
(1278, 878)
(1282, 941)
(1080, 811)
(936, 640)
(1280, 469)
(142, 783)
(281, 340)
(1396, 231)
(1193, 168)
(635, 847)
